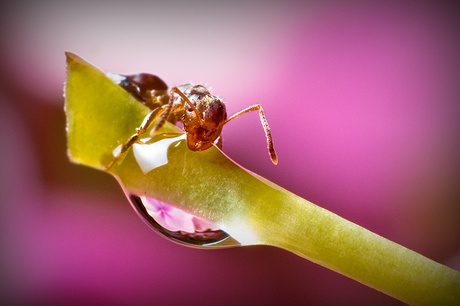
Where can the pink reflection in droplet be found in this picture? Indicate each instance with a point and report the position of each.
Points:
(175, 219)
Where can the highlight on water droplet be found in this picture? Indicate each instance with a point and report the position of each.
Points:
(155, 154)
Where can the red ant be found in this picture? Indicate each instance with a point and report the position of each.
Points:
(202, 113)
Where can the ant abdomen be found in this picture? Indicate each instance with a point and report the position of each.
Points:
(141, 85)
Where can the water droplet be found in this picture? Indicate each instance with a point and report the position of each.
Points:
(180, 226)
(154, 158)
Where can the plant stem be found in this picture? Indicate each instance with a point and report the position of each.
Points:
(248, 206)
(342, 246)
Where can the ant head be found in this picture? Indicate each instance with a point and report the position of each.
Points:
(201, 134)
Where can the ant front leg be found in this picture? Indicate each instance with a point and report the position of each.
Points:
(148, 120)
(219, 142)
(264, 122)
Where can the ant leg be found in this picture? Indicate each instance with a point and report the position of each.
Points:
(186, 100)
(167, 109)
(218, 142)
(148, 120)
(264, 122)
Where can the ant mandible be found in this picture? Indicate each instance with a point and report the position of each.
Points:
(202, 114)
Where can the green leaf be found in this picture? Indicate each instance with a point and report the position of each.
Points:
(101, 116)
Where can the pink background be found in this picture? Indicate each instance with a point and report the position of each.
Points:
(363, 101)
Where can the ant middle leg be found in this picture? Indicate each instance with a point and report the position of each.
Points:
(148, 120)
(265, 125)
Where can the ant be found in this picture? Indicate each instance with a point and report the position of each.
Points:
(203, 115)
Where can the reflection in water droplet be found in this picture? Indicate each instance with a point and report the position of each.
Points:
(180, 226)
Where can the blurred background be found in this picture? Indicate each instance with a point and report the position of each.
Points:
(363, 100)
